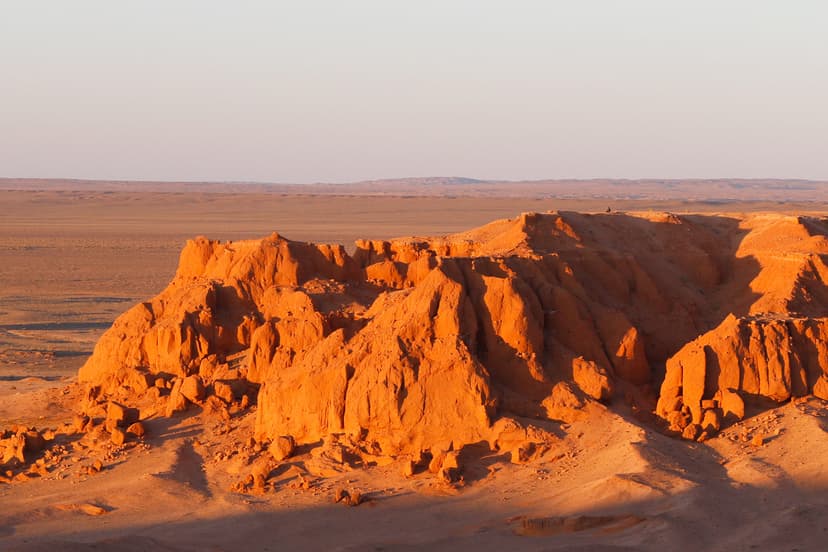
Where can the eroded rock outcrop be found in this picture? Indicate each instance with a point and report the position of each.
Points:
(430, 344)
(746, 358)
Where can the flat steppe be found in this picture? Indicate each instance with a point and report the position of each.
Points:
(72, 261)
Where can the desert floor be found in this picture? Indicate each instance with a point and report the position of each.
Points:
(70, 262)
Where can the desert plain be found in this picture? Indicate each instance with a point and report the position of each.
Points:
(570, 436)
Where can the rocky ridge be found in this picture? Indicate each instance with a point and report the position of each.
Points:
(415, 348)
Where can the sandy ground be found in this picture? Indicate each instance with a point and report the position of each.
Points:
(611, 485)
(71, 262)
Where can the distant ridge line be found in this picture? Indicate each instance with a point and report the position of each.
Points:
(724, 189)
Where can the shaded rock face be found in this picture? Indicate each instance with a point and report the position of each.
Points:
(414, 343)
(770, 356)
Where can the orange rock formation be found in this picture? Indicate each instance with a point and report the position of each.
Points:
(430, 344)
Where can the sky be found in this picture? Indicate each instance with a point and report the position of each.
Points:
(338, 91)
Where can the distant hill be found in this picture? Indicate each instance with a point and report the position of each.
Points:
(717, 190)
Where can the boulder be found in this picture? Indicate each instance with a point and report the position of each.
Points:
(176, 402)
(118, 436)
(223, 391)
(711, 421)
(137, 429)
(592, 379)
(564, 404)
(118, 415)
(821, 387)
(282, 447)
(733, 407)
(192, 389)
(691, 432)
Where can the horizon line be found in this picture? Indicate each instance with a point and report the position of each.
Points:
(457, 180)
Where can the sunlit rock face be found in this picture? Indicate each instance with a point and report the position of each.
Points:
(434, 343)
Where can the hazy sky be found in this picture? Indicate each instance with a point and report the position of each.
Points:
(345, 90)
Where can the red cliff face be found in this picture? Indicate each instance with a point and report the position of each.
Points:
(412, 344)
(773, 356)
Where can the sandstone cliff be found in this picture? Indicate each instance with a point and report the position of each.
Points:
(429, 344)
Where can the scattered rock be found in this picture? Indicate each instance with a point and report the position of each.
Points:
(282, 447)
(678, 421)
(355, 498)
(118, 436)
(223, 391)
(92, 509)
(154, 393)
(13, 449)
(592, 379)
(176, 401)
(438, 455)
(733, 406)
(407, 467)
(192, 389)
(351, 498)
(118, 415)
(215, 408)
(138, 381)
(711, 421)
(34, 442)
(564, 404)
(708, 404)
(79, 422)
(821, 387)
(137, 429)
(691, 432)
